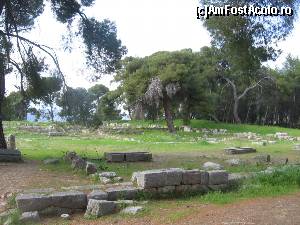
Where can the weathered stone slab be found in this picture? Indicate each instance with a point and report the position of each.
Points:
(241, 150)
(216, 177)
(71, 200)
(127, 193)
(98, 195)
(138, 156)
(8, 155)
(159, 178)
(33, 202)
(30, 217)
(99, 208)
(212, 166)
(114, 156)
(194, 177)
(128, 156)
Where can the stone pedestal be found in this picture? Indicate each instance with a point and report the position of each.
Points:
(8, 155)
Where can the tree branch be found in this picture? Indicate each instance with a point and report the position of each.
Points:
(252, 87)
(233, 87)
(44, 48)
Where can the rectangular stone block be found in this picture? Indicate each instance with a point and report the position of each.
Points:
(8, 155)
(159, 178)
(218, 187)
(166, 189)
(114, 156)
(183, 188)
(99, 208)
(194, 177)
(216, 177)
(33, 202)
(199, 188)
(138, 156)
(70, 200)
(242, 150)
(116, 193)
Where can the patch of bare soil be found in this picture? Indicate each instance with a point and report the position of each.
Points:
(20, 176)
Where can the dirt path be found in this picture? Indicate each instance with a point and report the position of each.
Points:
(20, 176)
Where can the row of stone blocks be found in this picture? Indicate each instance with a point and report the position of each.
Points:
(176, 179)
(153, 181)
(128, 156)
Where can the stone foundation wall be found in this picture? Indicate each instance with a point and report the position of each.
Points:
(180, 180)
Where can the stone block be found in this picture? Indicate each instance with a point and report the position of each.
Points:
(166, 189)
(30, 217)
(114, 156)
(194, 177)
(199, 188)
(159, 178)
(70, 200)
(115, 193)
(183, 188)
(99, 208)
(138, 156)
(108, 174)
(33, 202)
(216, 177)
(78, 163)
(98, 195)
(8, 155)
(241, 150)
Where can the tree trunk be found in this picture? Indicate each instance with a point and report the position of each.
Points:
(2, 92)
(168, 112)
(236, 111)
(51, 113)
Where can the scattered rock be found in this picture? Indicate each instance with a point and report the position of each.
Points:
(51, 161)
(30, 217)
(212, 166)
(70, 156)
(99, 208)
(234, 162)
(90, 168)
(239, 150)
(105, 180)
(108, 174)
(132, 210)
(78, 163)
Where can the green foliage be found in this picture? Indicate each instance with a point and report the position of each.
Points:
(12, 106)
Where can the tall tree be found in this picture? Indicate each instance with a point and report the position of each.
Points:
(245, 42)
(103, 48)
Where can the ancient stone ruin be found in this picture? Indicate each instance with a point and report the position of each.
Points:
(100, 200)
(128, 156)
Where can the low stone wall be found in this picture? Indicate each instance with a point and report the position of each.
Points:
(180, 180)
(103, 200)
(128, 156)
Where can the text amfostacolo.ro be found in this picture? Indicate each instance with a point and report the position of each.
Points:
(207, 11)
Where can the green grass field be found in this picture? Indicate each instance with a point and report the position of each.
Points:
(183, 149)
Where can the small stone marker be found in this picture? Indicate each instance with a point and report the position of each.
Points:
(240, 150)
(12, 142)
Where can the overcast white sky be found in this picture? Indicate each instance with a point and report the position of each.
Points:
(144, 27)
